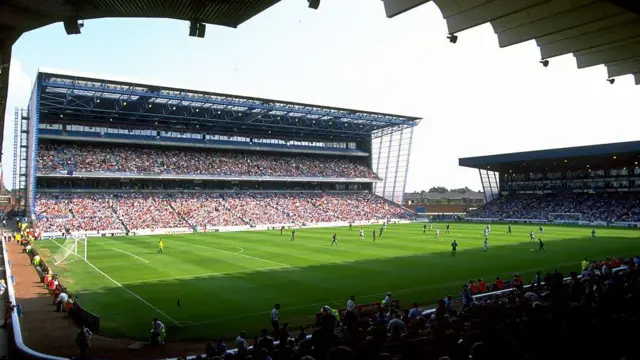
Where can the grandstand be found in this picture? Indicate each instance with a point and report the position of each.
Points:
(113, 157)
(595, 184)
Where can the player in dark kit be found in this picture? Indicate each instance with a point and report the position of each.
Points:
(381, 230)
(454, 247)
(509, 229)
(293, 235)
(334, 239)
(350, 226)
(281, 229)
(424, 228)
(541, 245)
(448, 228)
(374, 235)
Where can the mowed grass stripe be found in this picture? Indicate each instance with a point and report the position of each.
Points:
(215, 285)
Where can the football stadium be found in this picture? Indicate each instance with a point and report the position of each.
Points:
(157, 222)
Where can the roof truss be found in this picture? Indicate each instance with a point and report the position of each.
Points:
(144, 105)
(597, 32)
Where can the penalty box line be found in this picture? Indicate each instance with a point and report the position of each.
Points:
(127, 290)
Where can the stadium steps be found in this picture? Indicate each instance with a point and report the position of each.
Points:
(235, 213)
(178, 214)
(115, 213)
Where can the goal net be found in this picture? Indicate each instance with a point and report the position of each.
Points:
(565, 217)
(73, 248)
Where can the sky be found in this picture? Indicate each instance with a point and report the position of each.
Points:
(475, 98)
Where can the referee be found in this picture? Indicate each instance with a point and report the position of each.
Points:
(275, 320)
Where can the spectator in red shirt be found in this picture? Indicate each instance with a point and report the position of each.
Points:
(482, 285)
(499, 283)
(473, 287)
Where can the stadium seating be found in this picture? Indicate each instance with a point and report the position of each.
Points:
(134, 211)
(592, 207)
(65, 158)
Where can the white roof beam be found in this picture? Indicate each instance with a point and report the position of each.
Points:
(591, 40)
(607, 54)
(623, 68)
(460, 18)
(548, 19)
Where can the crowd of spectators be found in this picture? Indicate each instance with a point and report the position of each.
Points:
(76, 158)
(204, 210)
(591, 207)
(135, 211)
(593, 316)
(75, 212)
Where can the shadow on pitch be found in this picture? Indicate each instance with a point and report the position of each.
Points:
(219, 306)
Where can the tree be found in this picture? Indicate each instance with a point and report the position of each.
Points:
(438, 189)
(463, 190)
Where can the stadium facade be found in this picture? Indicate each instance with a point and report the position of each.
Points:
(108, 117)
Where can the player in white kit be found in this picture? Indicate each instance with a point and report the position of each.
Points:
(437, 233)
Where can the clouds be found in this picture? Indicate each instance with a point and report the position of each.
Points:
(19, 92)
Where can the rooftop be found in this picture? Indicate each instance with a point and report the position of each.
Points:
(76, 99)
(624, 154)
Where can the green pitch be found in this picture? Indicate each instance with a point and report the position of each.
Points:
(228, 282)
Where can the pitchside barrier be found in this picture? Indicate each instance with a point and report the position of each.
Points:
(142, 232)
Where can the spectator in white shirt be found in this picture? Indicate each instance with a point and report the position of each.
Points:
(157, 330)
(241, 343)
(351, 304)
(61, 301)
(275, 320)
(387, 302)
(415, 312)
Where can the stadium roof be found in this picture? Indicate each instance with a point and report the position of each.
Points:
(81, 100)
(19, 16)
(596, 32)
(625, 154)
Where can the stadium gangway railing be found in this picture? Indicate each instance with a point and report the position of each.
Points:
(15, 319)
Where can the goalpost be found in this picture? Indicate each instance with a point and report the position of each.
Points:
(75, 246)
(565, 217)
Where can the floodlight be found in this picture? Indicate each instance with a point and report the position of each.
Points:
(314, 4)
(611, 80)
(453, 38)
(197, 29)
(72, 26)
(544, 63)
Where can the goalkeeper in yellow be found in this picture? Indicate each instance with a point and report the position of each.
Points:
(160, 246)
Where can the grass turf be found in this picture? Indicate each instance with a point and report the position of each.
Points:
(228, 282)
